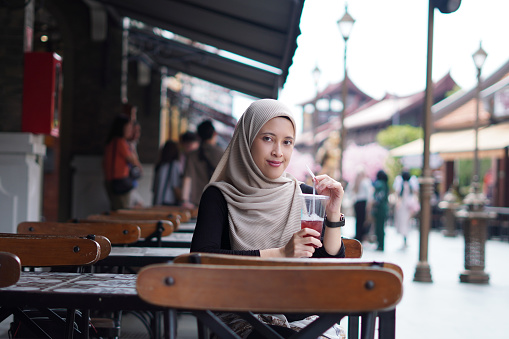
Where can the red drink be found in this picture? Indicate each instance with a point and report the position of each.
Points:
(317, 225)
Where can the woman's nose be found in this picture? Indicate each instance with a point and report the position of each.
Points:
(276, 150)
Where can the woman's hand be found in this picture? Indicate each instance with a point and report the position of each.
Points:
(302, 244)
(325, 185)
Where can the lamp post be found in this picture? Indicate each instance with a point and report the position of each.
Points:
(314, 118)
(345, 25)
(479, 58)
(473, 214)
(422, 270)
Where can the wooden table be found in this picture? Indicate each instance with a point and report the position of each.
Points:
(141, 256)
(187, 227)
(72, 291)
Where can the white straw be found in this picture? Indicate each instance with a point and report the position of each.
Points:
(313, 176)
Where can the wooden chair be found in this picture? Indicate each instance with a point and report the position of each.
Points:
(117, 233)
(10, 269)
(151, 231)
(51, 250)
(330, 291)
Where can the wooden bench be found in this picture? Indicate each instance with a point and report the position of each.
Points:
(310, 286)
(117, 233)
(151, 231)
(141, 214)
(10, 269)
(51, 250)
(243, 260)
(170, 209)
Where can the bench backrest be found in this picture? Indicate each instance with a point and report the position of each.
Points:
(225, 259)
(141, 214)
(147, 227)
(10, 269)
(175, 219)
(117, 233)
(40, 250)
(170, 209)
(270, 289)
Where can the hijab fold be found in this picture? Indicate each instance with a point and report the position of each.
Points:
(262, 212)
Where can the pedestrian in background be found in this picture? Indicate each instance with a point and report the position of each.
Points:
(407, 203)
(117, 160)
(189, 141)
(361, 192)
(200, 165)
(167, 176)
(380, 207)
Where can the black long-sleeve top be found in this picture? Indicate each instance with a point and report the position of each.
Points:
(212, 232)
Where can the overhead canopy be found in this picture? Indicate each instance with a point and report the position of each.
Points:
(261, 30)
(461, 144)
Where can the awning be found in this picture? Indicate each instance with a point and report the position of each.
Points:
(461, 144)
(261, 30)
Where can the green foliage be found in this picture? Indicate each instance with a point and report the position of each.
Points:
(465, 172)
(397, 135)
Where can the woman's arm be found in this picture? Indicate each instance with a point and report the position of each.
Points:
(212, 232)
(325, 185)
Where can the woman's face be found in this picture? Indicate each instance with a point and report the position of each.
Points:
(128, 130)
(273, 146)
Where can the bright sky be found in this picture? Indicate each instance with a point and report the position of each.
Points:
(388, 45)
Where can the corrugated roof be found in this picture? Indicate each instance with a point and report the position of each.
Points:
(261, 30)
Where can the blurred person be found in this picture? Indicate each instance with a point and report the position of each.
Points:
(136, 200)
(167, 176)
(189, 141)
(200, 165)
(407, 205)
(361, 192)
(117, 159)
(380, 207)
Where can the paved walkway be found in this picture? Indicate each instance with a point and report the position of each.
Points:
(447, 308)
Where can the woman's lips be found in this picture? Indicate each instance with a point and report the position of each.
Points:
(274, 163)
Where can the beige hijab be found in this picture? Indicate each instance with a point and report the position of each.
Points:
(263, 213)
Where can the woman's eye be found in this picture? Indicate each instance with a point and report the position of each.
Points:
(288, 142)
(267, 138)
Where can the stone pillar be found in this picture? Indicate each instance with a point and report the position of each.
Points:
(474, 217)
(449, 205)
(21, 173)
(89, 195)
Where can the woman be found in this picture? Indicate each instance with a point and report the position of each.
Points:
(407, 204)
(167, 177)
(117, 160)
(380, 207)
(361, 191)
(252, 206)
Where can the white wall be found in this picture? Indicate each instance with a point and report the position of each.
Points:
(88, 192)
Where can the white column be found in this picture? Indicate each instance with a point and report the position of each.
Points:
(21, 177)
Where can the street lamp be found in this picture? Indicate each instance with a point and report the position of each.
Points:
(314, 118)
(473, 214)
(479, 58)
(345, 25)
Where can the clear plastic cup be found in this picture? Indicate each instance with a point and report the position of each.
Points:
(313, 211)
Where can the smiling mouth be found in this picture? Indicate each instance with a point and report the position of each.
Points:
(274, 163)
